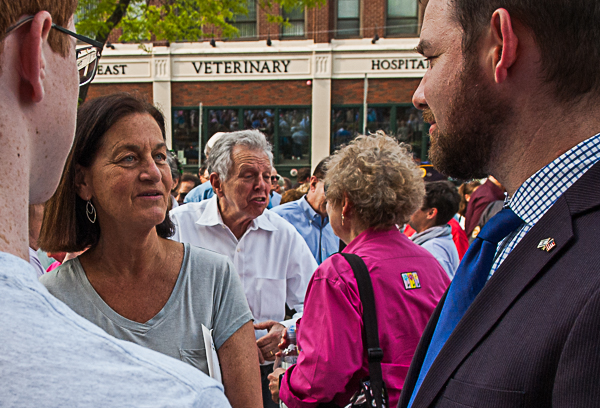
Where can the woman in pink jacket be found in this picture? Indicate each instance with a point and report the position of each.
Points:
(372, 185)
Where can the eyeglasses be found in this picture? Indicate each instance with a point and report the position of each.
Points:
(87, 56)
(275, 178)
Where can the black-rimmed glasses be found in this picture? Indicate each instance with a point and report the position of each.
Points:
(87, 56)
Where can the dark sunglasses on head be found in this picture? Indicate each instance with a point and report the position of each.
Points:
(87, 56)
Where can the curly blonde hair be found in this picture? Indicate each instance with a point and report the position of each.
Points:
(380, 178)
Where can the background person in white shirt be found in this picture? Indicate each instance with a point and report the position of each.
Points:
(272, 259)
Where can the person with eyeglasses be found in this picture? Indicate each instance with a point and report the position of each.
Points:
(49, 355)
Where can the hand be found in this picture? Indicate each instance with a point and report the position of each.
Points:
(268, 343)
(274, 383)
(284, 342)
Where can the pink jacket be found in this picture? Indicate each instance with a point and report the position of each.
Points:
(333, 358)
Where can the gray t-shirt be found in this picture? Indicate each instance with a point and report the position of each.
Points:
(208, 291)
(52, 357)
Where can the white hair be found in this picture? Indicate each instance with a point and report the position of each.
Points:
(211, 142)
(220, 161)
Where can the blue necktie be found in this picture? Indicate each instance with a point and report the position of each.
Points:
(471, 276)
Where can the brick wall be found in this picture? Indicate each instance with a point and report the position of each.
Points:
(319, 22)
(266, 29)
(241, 93)
(373, 17)
(143, 90)
(351, 91)
(268, 93)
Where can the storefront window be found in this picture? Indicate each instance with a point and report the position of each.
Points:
(404, 122)
(294, 136)
(261, 119)
(186, 135)
(222, 120)
(346, 125)
(410, 128)
(379, 119)
(288, 129)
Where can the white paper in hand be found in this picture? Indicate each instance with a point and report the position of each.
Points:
(212, 359)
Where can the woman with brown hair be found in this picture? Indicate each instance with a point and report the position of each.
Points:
(133, 282)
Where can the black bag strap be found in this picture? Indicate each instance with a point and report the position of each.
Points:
(374, 352)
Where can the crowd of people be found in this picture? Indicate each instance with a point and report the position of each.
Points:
(147, 286)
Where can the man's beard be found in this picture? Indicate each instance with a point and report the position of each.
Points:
(474, 124)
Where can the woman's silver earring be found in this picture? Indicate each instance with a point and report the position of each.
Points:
(342, 219)
(90, 211)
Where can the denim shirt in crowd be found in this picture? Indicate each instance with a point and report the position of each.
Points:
(274, 199)
(315, 230)
(202, 192)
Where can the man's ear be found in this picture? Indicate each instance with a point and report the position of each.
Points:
(432, 213)
(505, 44)
(83, 183)
(216, 183)
(31, 56)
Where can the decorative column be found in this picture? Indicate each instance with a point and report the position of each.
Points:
(321, 107)
(161, 86)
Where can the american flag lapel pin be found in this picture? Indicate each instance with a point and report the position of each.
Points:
(547, 244)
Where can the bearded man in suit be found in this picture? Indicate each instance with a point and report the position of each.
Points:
(514, 86)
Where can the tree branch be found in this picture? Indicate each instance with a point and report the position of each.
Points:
(113, 20)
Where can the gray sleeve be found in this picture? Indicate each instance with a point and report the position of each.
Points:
(230, 307)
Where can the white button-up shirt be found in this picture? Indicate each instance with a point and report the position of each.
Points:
(272, 259)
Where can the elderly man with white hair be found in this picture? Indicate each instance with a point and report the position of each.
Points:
(204, 191)
(272, 259)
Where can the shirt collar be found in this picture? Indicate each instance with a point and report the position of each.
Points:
(537, 194)
(311, 214)
(211, 216)
(368, 235)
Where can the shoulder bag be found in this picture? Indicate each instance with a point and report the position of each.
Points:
(372, 392)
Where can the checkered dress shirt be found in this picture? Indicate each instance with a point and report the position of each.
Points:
(539, 192)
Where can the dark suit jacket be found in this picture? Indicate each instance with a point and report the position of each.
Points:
(531, 338)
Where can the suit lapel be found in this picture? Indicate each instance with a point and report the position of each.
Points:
(518, 269)
(521, 266)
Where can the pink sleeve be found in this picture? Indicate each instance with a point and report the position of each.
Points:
(331, 342)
